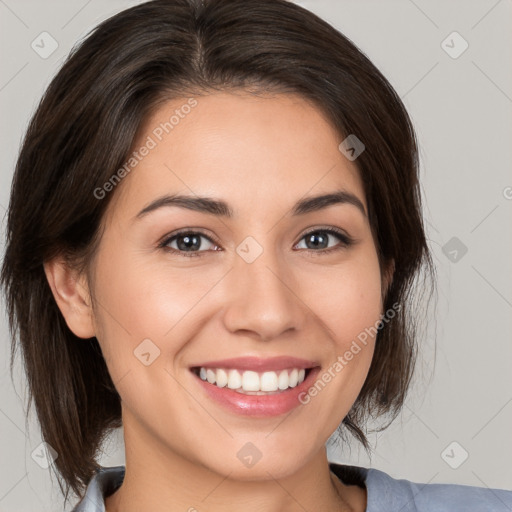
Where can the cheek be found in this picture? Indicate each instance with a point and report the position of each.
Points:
(350, 306)
(349, 303)
(136, 298)
(140, 300)
(348, 300)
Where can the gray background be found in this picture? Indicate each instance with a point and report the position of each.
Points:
(462, 109)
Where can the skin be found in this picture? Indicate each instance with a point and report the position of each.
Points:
(261, 155)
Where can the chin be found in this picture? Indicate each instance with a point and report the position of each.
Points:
(250, 464)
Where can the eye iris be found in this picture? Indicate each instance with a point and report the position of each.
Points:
(313, 239)
(189, 242)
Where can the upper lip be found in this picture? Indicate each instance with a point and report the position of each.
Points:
(259, 364)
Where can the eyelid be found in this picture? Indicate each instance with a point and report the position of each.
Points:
(329, 229)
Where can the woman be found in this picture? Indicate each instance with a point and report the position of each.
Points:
(214, 231)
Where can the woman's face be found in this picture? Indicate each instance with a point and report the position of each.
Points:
(266, 285)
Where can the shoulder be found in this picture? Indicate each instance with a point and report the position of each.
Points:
(385, 493)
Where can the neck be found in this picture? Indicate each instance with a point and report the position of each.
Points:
(159, 480)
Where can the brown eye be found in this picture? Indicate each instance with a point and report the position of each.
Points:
(187, 243)
(318, 240)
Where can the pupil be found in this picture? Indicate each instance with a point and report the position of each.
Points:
(313, 239)
(188, 242)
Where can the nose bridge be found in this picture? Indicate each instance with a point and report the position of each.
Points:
(261, 295)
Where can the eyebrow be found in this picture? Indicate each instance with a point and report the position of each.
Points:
(220, 208)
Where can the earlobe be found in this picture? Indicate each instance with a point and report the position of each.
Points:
(71, 293)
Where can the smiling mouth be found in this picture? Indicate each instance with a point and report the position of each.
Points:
(249, 382)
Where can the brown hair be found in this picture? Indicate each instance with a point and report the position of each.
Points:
(83, 131)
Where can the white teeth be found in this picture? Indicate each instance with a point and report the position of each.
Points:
(222, 378)
(269, 381)
(253, 382)
(283, 380)
(210, 376)
(250, 381)
(234, 379)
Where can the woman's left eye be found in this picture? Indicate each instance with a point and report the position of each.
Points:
(188, 243)
(320, 237)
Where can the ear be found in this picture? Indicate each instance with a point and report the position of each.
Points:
(71, 292)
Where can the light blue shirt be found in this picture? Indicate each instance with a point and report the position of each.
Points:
(384, 493)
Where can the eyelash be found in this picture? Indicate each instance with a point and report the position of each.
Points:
(346, 241)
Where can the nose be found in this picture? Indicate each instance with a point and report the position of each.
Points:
(263, 299)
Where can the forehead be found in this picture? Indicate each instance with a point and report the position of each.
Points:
(257, 153)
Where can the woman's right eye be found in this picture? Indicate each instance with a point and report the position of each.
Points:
(186, 243)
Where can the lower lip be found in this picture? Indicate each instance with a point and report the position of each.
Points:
(259, 405)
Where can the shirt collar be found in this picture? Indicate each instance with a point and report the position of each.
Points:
(104, 483)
